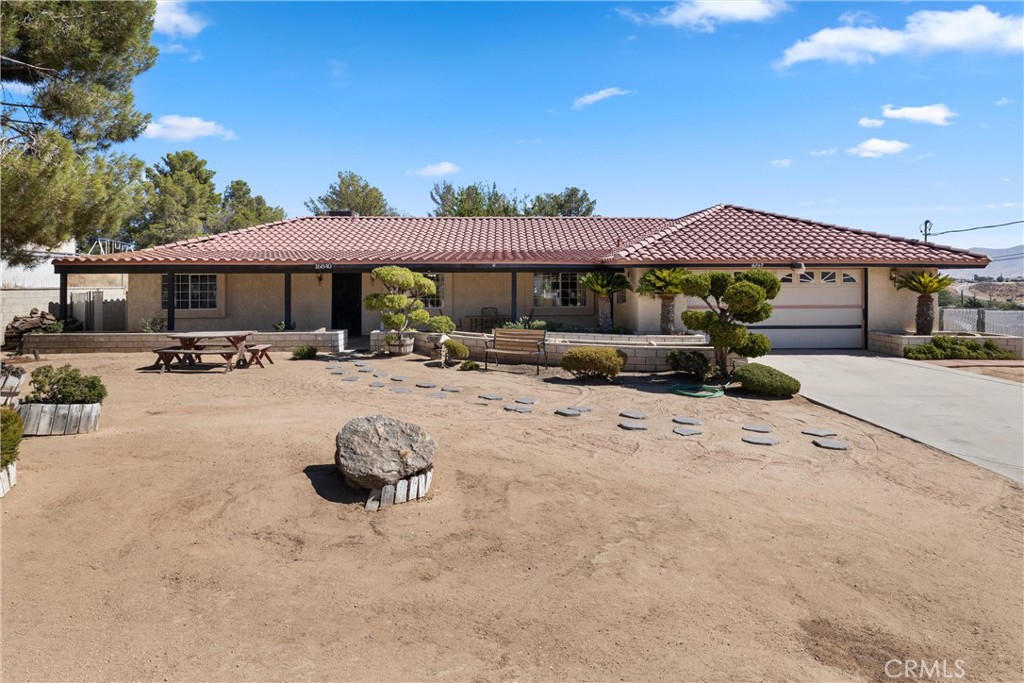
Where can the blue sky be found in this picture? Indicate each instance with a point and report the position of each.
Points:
(870, 115)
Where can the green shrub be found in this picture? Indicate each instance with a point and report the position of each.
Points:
(594, 361)
(453, 348)
(949, 347)
(12, 428)
(304, 353)
(285, 327)
(65, 385)
(154, 324)
(470, 365)
(692, 363)
(525, 322)
(442, 324)
(761, 379)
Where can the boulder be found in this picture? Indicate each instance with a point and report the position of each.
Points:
(377, 450)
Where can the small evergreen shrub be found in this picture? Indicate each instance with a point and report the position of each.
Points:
(304, 353)
(12, 428)
(761, 379)
(470, 365)
(525, 322)
(65, 385)
(285, 327)
(453, 348)
(154, 324)
(693, 363)
(948, 347)
(442, 324)
(594, 361)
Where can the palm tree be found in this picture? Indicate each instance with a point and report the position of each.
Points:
(665, 284)
(925, 285)
(604, 283)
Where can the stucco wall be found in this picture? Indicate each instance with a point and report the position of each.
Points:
(889, 309)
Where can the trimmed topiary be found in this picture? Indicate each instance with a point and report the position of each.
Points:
(594, 361)
(304, 353)
(693, 363)
(470, 365)
(442, 324)
(12, 429)
(454, 349)
(761, 379)
(65, 385)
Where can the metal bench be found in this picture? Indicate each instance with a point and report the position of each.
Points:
(259, 353)
(506, 342)
(188, 356)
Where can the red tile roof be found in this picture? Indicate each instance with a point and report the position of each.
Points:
(720, 235)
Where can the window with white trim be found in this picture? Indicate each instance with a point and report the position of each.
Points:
(807, 277)
(192, 291)
(849, 278)
(558, 290)
(828, 277)
(788, 277)
(437, 300)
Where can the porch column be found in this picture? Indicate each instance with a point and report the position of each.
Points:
(515, 295)
(287, 300)
(63, 296)
(171, 294)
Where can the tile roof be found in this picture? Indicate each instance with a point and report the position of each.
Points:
(723, 234)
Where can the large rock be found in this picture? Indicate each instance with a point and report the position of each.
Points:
(378, 450)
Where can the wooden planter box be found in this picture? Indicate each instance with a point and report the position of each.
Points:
(8, 478)
(46, 419)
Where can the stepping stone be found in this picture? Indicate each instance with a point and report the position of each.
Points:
(582, 409)
(686, 431)
(451, 390)
(398, 378)
(514, 408)
(763, 429)
(761, 440)
(365, 369)
(349, 379)
(381, 375)
(633, 414)
(818, 432)
(337, 372)
(527, 400)
(401, 390)
(633, 425)
(682, 420)
(490, 397)
(437, 394)
(568, 412)
(425, 385)
(359, 364)
(377, 385)
(831, 444)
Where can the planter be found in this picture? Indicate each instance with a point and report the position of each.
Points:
(8, 478)
(402, 347)
(46, 419)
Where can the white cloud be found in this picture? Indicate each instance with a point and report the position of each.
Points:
(194, 55)
(975, 29)
(175, 127)
(781, 163)
(1003, 101)
(823, 152)
(174, 19)
(705, 15)
(874, 148)
(16, 88)
(442, 168)
(866, 122)
(593, 97)
(936, 114)
(858, 18)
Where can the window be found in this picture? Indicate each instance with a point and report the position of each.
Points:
(436, 301)
(191, 292)
(788, 277)
(552, 290)
(828, 277)
(806, 277)
(849, 278)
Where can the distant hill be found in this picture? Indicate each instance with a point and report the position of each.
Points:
(1007, 262)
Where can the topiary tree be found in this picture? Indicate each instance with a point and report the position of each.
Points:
(926, 286)
(732, 301)
(401, 304)
(604, 283)
(665, 284)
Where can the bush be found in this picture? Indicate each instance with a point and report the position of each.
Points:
(945, 346)
(304, 353)
(470, 365)
(594, 361)
(442, 324)
(285, 327)
(12, 428)
(761, 379)
(154, 324)
(65, 385)
(525, 322)
(453, 348)
(692, 363)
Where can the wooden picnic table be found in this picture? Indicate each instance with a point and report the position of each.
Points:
(198, 341)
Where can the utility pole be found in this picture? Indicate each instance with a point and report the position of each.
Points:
(926, 228)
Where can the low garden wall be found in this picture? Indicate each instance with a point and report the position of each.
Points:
(138, 342)
(893, 343)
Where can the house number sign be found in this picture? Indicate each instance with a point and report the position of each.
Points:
(323, 266)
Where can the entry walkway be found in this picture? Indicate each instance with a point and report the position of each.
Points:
(977, 418)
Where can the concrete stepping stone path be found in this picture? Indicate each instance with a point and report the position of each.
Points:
(365, 370)
(832, 444)
(349, 379)
(451, 390)
(397, 378)
(490, 397)
(567, 412)
(381, 375)
(377, 385)
(683, 420)
(686, 431)
(818, 432)
(761, 440)
(527, 400)
(762, 429)
(437, 394)
(633, 414)
(425, 385)
(516, 408)
(401, 390)
(633, 425)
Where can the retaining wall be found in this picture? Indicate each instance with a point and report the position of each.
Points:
(893, 343)
(138, 342)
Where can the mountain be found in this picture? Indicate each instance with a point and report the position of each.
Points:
(1007, 262)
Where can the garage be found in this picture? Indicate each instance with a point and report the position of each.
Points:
(817, 308)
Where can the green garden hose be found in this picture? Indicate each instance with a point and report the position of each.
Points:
(698, 390)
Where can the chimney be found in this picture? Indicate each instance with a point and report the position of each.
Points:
(349, 213)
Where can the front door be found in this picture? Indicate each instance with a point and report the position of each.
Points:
(347, 303)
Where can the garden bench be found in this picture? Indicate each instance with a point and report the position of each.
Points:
(508, 342)
(259, 353)
(188, 356)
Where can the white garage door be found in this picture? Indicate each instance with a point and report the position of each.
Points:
(817, 309)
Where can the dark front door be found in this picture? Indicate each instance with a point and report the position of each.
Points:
(347, 303)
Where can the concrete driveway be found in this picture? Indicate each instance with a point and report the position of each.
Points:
(979, 419)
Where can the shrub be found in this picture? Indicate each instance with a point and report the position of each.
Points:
(285, 327)
(945, 346)
(442, 324)
(692, 363)
(470, 365)
(11, 370)
(761, 379)
(12, 428)
(154, 324)
(304, 353)
(53, 328)
(65, 385)
(525, 322)
(453, 348)
(594, 361)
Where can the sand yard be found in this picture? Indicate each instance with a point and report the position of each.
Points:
(204, 534)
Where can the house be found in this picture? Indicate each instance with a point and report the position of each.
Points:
(314, 271)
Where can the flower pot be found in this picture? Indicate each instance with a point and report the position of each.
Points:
(46, 419)
(402, 347)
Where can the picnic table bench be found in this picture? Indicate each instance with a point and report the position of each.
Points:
(259, 353)
(509, 342)
(187, 356)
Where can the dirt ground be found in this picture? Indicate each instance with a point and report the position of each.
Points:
(204, 534)
(1013, 374)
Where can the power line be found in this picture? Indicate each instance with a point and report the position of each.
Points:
(926, 228)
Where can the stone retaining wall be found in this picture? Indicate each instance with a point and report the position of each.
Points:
(138, 342)
(893, 343)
